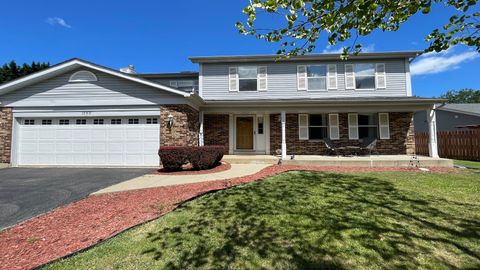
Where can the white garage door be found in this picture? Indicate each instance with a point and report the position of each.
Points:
(107, 141)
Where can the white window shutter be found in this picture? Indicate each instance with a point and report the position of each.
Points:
(262, 79)
(353, 126)
(380, 76)
(333, 126)
(173, 84)
(349, 77)
(384, 126)
(332, 76)
(232, 79)
(302, 77)
(303, 126)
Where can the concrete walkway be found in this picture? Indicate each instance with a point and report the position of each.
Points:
(155, 180)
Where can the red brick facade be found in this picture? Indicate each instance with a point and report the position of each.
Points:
(6, 120)
(401, 140)
(184, 131)
(215, 130)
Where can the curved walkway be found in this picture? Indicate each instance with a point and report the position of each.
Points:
(156, 180)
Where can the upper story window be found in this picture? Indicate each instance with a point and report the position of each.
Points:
(247, 78)
(83, 76)
(317, 77)
(365, 76)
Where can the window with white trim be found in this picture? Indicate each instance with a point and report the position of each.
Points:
(317, 126)
(46, 122)
(367, 126)
(29, 122)
(116, 121)
(98, 121)
(81, 121)
(64, 122)
(260, 125)
(133, 121)
(247, 78)
(83, 76)
(152, 121)
(364, 76)
(317, 77)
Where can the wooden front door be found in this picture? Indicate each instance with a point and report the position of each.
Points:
(244, 132)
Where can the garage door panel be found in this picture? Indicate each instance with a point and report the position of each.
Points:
(95, 143)
(46, 134)
(62, 134)
(63, 148)
(81, 134)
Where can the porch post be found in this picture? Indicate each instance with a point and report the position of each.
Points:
(200, 132)
(284, 141)
(432, 131)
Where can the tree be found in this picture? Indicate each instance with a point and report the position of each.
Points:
(12, 71)
(462, 96)
(305, 21)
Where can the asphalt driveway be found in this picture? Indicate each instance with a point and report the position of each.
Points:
(28, 192)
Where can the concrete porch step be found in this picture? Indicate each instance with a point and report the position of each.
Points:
(362, 161)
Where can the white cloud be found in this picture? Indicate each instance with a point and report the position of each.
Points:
(432, 63)
(365, 49)
(58, 21)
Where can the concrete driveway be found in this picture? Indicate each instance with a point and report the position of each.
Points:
(28, 192)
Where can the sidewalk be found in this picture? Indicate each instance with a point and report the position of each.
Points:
(154, 180)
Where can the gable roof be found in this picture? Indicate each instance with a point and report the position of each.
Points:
(75, 63)
(306, 57)
(465, 108)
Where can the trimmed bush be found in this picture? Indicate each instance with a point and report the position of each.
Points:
(200, 157)
(173, 157)
(206, 157)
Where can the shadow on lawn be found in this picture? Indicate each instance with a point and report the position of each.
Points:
(319, 220)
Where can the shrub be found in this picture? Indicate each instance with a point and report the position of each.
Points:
(201, 157)
(206, 157)
(173, 157)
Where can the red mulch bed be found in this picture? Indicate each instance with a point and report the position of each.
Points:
(79, 225)
(188, 170)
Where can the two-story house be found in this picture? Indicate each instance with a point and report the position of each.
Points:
(80, 113)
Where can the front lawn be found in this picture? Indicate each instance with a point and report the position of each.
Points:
(298, 220)
(468, 164)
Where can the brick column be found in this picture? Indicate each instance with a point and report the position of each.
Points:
(6, 124)
(185, 129)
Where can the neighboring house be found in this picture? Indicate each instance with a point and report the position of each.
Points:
(80, 113)
(451, 117)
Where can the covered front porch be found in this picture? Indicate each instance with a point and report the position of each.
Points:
(311, 128)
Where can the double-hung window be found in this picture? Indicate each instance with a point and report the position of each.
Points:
(317, 127)
(317, 77)
(367, 126)
(364, 76)
(247, 78)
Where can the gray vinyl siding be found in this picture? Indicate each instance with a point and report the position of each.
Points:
(282, 81)
(108, 90)
(446, 121)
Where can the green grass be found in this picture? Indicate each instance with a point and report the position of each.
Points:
(468, 164)
(308, 220)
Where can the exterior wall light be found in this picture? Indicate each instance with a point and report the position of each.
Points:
(170, 121)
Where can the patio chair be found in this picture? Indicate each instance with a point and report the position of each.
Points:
(331, 149)
(370, 147)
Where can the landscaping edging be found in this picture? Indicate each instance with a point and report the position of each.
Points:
(224, 166)
(75, 227)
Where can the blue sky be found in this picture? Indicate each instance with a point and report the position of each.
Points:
(159, 36)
